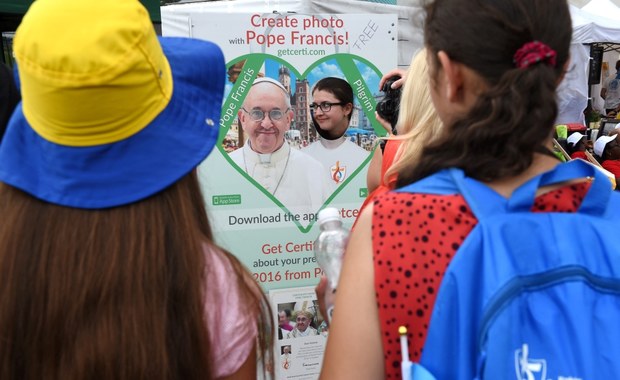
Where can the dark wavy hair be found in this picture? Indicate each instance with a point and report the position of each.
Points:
(515, 114)
(116, 293)
(340, 88)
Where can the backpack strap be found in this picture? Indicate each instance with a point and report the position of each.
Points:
(594, 203)
(418, 372)
(481, 199)
(440, 183)
(484, 201)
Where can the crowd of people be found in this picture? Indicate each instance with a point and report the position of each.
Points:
(602, 152)
(109, 267)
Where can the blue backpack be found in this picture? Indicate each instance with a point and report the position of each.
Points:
(528, 296)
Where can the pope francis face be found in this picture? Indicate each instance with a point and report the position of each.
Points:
(303, 321)
(265, 116)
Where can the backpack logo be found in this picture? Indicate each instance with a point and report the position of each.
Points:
(529, 369)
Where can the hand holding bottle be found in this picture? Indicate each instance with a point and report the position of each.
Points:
(325, 296)
(329, 249)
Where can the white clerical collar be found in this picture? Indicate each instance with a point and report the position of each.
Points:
(333, 144)
(265, 158)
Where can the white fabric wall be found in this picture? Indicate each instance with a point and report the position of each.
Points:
(572, 93)
(175, 17)
(410, 18)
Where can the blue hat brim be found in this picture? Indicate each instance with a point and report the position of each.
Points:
(115, 174)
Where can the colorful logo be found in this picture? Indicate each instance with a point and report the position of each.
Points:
(339, 173)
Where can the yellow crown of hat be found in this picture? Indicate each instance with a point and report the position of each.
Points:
(110, 82)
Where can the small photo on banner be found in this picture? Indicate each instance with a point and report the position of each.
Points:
(301, 333)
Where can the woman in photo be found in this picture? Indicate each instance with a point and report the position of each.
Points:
(332, 107)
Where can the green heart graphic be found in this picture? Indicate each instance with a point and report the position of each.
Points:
(349, 65)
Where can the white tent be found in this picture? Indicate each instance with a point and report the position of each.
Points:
(602, 8)
(590, 25)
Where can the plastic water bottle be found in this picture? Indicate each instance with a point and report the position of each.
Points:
(329, 248)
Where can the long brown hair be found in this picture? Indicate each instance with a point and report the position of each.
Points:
(110, 294)
(511, 119)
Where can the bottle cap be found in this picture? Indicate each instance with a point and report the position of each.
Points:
(327, 214)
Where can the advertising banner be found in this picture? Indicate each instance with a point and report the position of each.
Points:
(263, 207)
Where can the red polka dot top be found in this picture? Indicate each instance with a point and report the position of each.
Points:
(414, 237)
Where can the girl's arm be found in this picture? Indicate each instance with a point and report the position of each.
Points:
(354, 349)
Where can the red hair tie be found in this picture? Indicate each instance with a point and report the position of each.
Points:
(533, 52)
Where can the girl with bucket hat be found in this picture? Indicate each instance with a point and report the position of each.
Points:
(108, 268)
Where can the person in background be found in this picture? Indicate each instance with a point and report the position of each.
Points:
(576, 144)
(9, 96)
(290, 175)
(286, 357)
(497, 103)
(108, 265)
(284, 320)
(611, 91)
(331, 110)
(608, 149)
(376, 166)
(417, 125)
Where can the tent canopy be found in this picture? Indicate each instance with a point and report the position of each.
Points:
(15, 6)
(357, 131)
(595, 22)
(21, 6)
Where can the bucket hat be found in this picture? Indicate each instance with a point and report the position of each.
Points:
(110, 113)
(601, 142)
